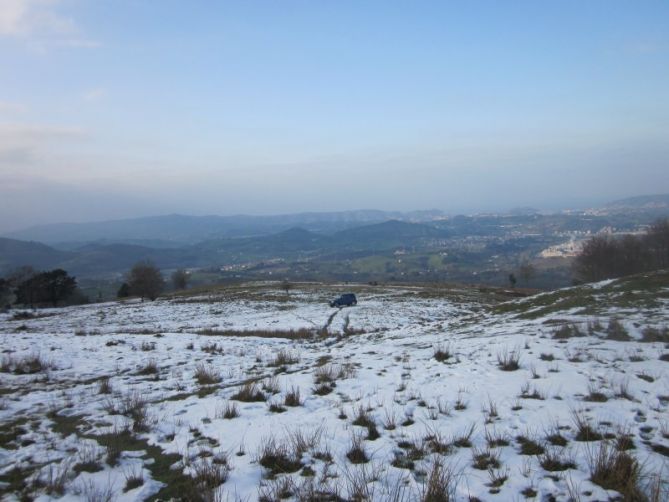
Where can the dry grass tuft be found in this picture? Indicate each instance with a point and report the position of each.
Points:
(249, 393)
(615, 470)
(508, 361)
(206, 375)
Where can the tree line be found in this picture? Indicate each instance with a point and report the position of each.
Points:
(28, 287)
(608, 257)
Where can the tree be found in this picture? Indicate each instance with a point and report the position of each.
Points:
(180, 279)
(145, 280)
(51, 287)
(657, 240)
(5, 294)
(123, 291)
(19, 275)
(512, 280)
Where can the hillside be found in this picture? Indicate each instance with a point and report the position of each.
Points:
(15, 253)
(184, 229)
(641, 202)
(249, 393)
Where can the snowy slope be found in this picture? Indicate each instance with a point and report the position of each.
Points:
(113, 389)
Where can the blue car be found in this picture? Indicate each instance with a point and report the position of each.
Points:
(347, 300)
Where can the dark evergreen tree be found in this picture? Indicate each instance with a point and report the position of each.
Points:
(51, 287)
(123, 291)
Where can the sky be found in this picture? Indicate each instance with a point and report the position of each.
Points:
(122, 108)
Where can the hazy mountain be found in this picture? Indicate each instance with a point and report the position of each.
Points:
(644, 202)
(15, 253)
(98, 259)
(181, 229)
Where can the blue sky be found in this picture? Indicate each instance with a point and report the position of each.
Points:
(127, 107)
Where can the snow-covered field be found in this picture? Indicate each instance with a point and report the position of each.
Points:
(402, 396)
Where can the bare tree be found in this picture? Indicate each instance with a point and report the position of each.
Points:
(145, 280)
(658, 243)
(180, 279)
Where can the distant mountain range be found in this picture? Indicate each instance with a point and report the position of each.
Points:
(105, 249)
(658, 201)
(176, 229)
(295, 243)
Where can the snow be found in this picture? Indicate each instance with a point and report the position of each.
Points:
(393, 373)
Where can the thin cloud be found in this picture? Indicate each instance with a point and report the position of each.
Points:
(19, 143)
(11, 108)
(94, 95)
(41, 23)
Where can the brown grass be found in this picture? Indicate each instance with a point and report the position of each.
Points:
(290, 334)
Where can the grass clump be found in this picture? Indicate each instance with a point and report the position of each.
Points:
(595, 395)
(133, 479)
(206, 375)
(616, 331)
(284, 358)
(485, 459)
(439, 485)
(508, 361)
(228, 412)
(26, 365)
(150, 368)
(292, 397)
(529, 446)
(554, 461)
(356, 453)
(584, 431)
(650, 335)
(464, 439)
(617, 470)
(249, 393)
(279, 458)
(442, 354)
(567, 331)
